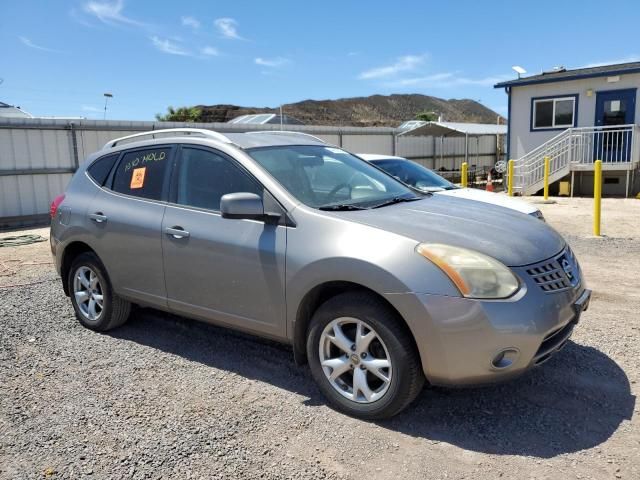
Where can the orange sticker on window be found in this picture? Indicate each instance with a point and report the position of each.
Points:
(137, 178)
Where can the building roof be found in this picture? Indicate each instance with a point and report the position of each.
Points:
(265, 118)
(411, 124)
(456, 129)
(563, 74)
(9, 111)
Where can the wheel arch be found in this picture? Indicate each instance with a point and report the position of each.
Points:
(318, 295)
(70, 252)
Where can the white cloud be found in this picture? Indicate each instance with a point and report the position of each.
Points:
(402, 64)
(227, 28)
(272, 62)
(489, 81)
(446, 80)
(30, 44)
(109, 12)
(190, 22)
(615, 61)
(89, 108)
(210, 51)
(419, 81)
(79, 18)
(167, 46)
(391, 76)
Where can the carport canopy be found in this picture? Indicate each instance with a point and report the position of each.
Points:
(456, 129)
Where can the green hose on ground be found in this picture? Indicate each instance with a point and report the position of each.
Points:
(20, 240)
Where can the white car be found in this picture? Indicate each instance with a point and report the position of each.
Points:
(421, 178)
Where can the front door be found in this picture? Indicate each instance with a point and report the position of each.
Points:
(224, 270)
(614, 109)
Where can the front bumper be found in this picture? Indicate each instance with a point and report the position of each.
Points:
(555, 340)
(459, 339)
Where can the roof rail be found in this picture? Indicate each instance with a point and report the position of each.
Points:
(289, 132)
(186, 131)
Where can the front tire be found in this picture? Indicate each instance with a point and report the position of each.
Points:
(97, 307)
(363, 357)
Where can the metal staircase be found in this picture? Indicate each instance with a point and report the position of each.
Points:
(576, 149)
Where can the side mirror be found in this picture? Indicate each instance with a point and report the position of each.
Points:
(242, 205)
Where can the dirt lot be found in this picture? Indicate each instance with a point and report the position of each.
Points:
(163, 397)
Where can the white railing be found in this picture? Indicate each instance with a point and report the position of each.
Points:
(615, 144)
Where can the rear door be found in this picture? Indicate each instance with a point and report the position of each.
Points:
(229, 271)
(126, 218)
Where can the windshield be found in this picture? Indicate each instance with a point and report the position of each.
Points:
(414, 174)
(330, 178)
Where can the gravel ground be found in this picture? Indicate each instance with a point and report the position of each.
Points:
(164, 397)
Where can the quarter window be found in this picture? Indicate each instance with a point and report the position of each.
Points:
(141, 173)
(204, 177)
(554, 112)
(99, 170)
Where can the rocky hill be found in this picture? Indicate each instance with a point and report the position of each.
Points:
(373, 111)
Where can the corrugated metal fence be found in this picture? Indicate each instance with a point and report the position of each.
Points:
(38, 156)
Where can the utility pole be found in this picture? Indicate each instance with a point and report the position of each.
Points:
(107, 96)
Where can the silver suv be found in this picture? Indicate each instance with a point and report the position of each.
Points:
(376, 286)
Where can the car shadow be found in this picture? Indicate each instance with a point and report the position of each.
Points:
(574, 402)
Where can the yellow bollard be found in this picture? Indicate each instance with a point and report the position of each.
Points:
(597, 196)
(510, 178)
(546, 177)
(463, 174)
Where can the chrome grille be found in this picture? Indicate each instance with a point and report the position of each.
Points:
(558, 273)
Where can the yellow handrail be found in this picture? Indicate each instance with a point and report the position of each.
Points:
(510, 177)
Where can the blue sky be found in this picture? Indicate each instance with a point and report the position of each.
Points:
(59, 57)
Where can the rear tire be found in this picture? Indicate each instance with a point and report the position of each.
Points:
(363, 357)
(97, 307)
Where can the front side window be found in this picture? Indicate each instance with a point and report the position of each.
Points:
(141, 173)
(204, 177)
(554, 112)
(325, 177)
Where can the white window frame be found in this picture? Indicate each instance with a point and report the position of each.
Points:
(553, 114)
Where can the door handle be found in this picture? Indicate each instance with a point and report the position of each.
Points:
(98, 217)
(176, 232)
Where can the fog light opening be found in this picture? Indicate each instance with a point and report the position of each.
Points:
(504, 359)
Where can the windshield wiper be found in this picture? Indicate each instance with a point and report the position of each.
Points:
(341, 208)
(395, 200)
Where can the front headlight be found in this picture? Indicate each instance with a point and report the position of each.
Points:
(476, 275)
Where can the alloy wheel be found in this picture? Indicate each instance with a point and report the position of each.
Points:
(88, 293)
(355, 360)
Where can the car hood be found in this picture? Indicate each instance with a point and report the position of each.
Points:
(504, 234)
(490, 197)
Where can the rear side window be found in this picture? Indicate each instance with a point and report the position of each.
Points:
(100, 169)
(141, 173)
(204, 177)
